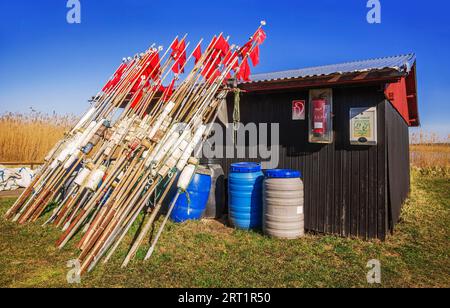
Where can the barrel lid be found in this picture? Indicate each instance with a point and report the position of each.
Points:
(245, 167)
(283, 174)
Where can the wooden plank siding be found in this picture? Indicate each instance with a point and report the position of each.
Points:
(345, 186)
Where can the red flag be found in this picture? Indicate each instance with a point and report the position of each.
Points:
(179, 55)
(182, 58)
(222, 45)
(106, 87)
(176, 67)
(159, 88)
(211, 64)
(213, 43)
(230, 57)
(197, 53)
(174, 48)
(153, 70)
(213, 75)
(244, 71)
(121, 69)
(169, 91)
(137, 98)
(116, 78)
(260, 36)
(139, 82)
(246, 48)
(112, 83)
(254, 55)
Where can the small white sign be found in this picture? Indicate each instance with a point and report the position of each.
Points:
(299, 110)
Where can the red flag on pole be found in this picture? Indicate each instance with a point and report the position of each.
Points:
(229, 58)
(106, 87)
(222, 45)
(211, 64)
(246, 48)
(121, 69)
(139, 82)
(174, 48)
(116, 78)
(197, 53)
(260, 36)
(244, 71)
(254, 56)
(137, 98)
(153, 70)
(213, 75)
(169, 91)
(158, 88)
(179, 55)
(182, 56)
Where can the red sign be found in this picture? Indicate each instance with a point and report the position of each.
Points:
(298, 110)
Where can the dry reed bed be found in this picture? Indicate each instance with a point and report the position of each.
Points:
(430, 154)
(28, 137)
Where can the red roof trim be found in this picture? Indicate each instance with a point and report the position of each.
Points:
(403, 96)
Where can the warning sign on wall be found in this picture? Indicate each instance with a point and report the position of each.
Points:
(298, 110)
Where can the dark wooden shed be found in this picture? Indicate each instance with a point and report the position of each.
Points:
(350, 190)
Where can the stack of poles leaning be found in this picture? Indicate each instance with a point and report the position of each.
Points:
(124, 155)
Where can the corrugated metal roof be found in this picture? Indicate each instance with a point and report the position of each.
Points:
(402, 63)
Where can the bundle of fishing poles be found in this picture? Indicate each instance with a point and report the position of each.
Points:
(138, 141)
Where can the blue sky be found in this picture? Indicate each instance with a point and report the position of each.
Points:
(50, 65)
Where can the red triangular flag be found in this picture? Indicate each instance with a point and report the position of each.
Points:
(121, 69)
(260, 36)
(254, 56)
(107, 86)
(169, 91)
(244, 71)
(137, 98)
(153, 69)
(139, 82)
(116, 78)
(213, 75)
(229, 58)
(174, 48)
(211, 64)
(158, 88)
(223, 45)
(246, 48)
(182, 59)
(197, 53)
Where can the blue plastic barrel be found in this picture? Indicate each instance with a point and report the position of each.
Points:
(245, 195)
(191, 206)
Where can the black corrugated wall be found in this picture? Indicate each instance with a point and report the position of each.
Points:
(346, 187)
(398, 162)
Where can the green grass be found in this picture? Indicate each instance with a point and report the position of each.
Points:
(208, 254)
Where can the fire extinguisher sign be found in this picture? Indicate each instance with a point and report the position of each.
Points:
(298, 110)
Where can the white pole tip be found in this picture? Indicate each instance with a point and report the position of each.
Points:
(263, 23)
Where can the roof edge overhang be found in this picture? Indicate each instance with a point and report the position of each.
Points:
(354, 78)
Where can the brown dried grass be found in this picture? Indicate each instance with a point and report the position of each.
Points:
(29, 137)
(430, 154)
